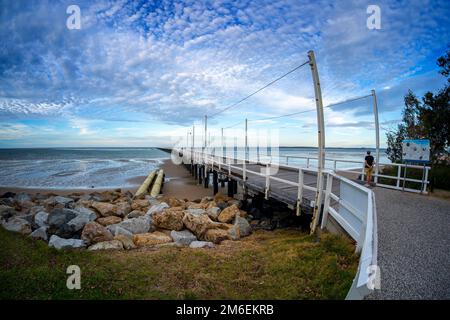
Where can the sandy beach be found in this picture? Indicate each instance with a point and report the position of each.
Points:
(178, 183)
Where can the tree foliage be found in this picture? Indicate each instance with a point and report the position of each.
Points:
(426, 119)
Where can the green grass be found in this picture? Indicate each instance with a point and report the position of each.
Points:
(283, 264)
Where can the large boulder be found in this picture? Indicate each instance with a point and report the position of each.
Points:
(107, 245)
(211, 204)
(8, 195)
(80, 220)
(197, 205)
(57, 202)
(106, 221)
(17, 224)
(201, 244)
(174, 202)
(168, 219)
(60, 243)
(105, 209)
(119, 231)
(22, 198)
(35, 209)
(213, 213)
(127, 242)
(58, 222)
(244, 226)
(196, 212)
(6, 212)
(184, 237)
(105, 196)
(228, 214)
(241, 228)
(122, 209)
(140, 204)
(40, 218)
(200, 224)
(216, 235)
(94, 232)
(62, 200)
(59, 216)
(135, 214)
(79, 207)
(150, 239)
(7, 202)
(157, 208)
(134, 225)
(40, 233)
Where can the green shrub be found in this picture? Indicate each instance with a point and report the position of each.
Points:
(439, 177)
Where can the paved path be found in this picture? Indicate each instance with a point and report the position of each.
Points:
(413, 246)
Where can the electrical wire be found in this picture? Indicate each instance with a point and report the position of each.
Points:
(305, 111)
(259, 90)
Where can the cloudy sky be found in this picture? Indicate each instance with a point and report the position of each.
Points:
(141, 73)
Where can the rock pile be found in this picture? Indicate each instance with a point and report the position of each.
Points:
(114, 220)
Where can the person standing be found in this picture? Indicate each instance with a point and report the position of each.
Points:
(368, 167)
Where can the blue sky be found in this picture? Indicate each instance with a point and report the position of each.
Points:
(142, 73)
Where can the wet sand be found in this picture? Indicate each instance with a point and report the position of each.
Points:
(178, 183)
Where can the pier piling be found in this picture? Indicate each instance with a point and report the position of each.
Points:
(215, 182)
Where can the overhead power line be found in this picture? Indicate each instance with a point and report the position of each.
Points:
(305, 111)
(260, 89)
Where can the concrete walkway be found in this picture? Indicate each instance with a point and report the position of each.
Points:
(413, 246)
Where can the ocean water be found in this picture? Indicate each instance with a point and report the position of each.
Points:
(64, 168)
(67, 168)
(354, 157)
(349, 154)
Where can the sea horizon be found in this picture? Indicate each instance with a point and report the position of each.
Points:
(119, 167)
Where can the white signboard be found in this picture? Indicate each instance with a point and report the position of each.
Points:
(416, 150)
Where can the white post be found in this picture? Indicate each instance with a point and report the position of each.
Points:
(377, 136)
(399, 170)
(299, 191)
(320, 139)
(245, 155)
(426, 180)
(222, 141)
(206, 132)
(193, 143)
(267, 181)
(326, 203)
(235, 156)
(257, 147)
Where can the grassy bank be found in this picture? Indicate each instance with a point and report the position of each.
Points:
(282, 264)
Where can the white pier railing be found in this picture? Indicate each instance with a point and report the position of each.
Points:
(358, 168)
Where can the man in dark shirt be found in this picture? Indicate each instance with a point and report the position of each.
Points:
(368, 167)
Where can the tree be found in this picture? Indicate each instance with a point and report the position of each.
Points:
(444, 63)
(434, 115)
(407, 129)
(426, 119)
(410, 116)
(394, 141)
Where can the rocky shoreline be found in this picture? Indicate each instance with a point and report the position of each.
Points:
(115, 220)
